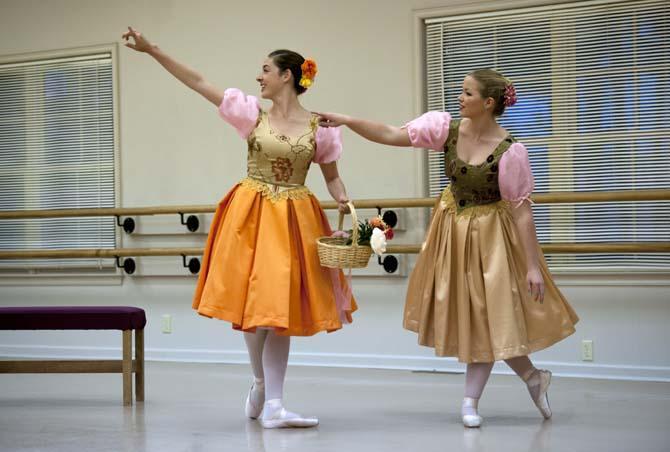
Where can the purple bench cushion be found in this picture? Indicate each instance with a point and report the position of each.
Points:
(72, 318)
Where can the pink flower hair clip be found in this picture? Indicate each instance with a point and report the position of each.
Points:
(510, 95)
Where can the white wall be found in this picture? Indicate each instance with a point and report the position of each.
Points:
(175, 150)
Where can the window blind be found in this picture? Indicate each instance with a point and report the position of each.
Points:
(57, 151)
(593, 89)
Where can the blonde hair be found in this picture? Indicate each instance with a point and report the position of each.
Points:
(492, 84)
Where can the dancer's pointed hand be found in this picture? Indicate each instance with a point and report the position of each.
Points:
(139, 41)
(332, 119)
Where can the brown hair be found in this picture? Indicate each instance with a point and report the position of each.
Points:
(492, 84)
(288, 59)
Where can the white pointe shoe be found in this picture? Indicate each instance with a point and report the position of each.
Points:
(280, 418)
(471, 420)
(251, 409)
(542, 399)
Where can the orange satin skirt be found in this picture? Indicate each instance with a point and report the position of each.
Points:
(260, 266)
(467, 296)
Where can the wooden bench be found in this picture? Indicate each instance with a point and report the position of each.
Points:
(122, 318)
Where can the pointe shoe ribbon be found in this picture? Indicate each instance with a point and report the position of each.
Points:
(538, 385)
(251, 409)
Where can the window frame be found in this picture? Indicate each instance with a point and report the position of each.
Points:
(86, 274)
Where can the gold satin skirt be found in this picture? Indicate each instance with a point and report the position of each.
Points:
(467, 296)
(261, 269)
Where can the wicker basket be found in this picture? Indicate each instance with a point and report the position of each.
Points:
(335, 253)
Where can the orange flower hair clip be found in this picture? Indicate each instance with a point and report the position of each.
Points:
(309, 71)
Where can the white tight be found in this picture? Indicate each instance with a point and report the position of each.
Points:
(477, 374)
(268, 354)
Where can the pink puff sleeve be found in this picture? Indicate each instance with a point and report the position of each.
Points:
(239, 110)
(514, 175)
(429, 130)
(328, 144)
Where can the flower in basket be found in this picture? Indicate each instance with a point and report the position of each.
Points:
(378, 241)
(341, 234)
(374, 233)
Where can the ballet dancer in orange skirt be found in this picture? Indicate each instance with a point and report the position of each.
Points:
(260, 269)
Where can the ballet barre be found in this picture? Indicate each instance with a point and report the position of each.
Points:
(128, 264)
(112, 253)
(542, 198)
(124, 256)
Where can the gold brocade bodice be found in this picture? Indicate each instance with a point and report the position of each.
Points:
(277, 159)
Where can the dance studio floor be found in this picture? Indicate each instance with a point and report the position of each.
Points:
(199, 407)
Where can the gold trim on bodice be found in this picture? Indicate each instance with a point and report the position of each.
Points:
(274, 192)
(448, 202)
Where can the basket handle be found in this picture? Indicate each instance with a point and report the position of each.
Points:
(354, 227)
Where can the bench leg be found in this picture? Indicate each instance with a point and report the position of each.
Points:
(139, 365)
(127, 367)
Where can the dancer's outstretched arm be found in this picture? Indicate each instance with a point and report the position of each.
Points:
(371, 130)
(183, 73)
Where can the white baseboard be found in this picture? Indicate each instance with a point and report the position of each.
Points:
(351, 360)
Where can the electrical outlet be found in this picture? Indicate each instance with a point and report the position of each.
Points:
(587, 350)
(166, 324)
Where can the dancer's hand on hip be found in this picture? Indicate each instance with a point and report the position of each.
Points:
(535, 284)
(332, 119)
(141, 43)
